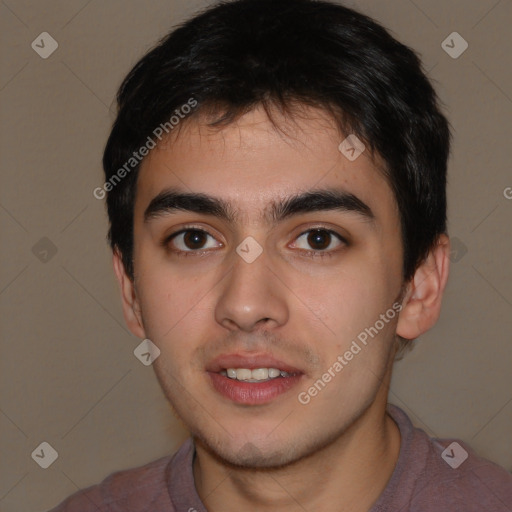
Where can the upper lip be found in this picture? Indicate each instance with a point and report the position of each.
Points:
(250, 361)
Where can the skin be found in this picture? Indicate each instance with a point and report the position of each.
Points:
(305, 310)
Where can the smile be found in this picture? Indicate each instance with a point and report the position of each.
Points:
(256, 375)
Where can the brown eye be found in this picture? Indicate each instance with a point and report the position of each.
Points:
(320, 240)
(192, 240)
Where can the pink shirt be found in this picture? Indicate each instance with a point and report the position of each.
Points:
(423, 481)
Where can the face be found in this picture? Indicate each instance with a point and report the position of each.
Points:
(258, 248)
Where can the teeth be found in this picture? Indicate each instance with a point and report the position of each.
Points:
(256, 375)
(243, 374)
(259, 374)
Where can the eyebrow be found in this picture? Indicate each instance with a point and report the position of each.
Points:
(171, 201)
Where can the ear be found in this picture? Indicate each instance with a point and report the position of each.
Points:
(422, 302)
(131, 308)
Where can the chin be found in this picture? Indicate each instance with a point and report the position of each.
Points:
(251, 455)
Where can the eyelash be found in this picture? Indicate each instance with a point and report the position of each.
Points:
(198, 253)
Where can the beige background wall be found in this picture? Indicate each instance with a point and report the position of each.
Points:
(68, 375)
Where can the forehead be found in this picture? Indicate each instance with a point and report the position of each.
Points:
(254, 162)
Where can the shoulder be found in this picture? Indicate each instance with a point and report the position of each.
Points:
(129, 490)
(447, 474)
(459, 479)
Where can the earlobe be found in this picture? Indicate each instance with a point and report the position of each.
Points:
(422, 302)
(131, 308)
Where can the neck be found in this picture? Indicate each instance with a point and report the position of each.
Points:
(351, 472)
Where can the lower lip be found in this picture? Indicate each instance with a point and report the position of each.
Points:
(252, 393)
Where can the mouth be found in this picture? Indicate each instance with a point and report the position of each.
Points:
(256, 375)
(252, 379)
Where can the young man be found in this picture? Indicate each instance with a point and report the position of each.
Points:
(276, 195)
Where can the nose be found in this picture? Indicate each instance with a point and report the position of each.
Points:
(251, 297)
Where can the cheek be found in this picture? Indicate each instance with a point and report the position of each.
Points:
(346, 300)
(172, 305)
